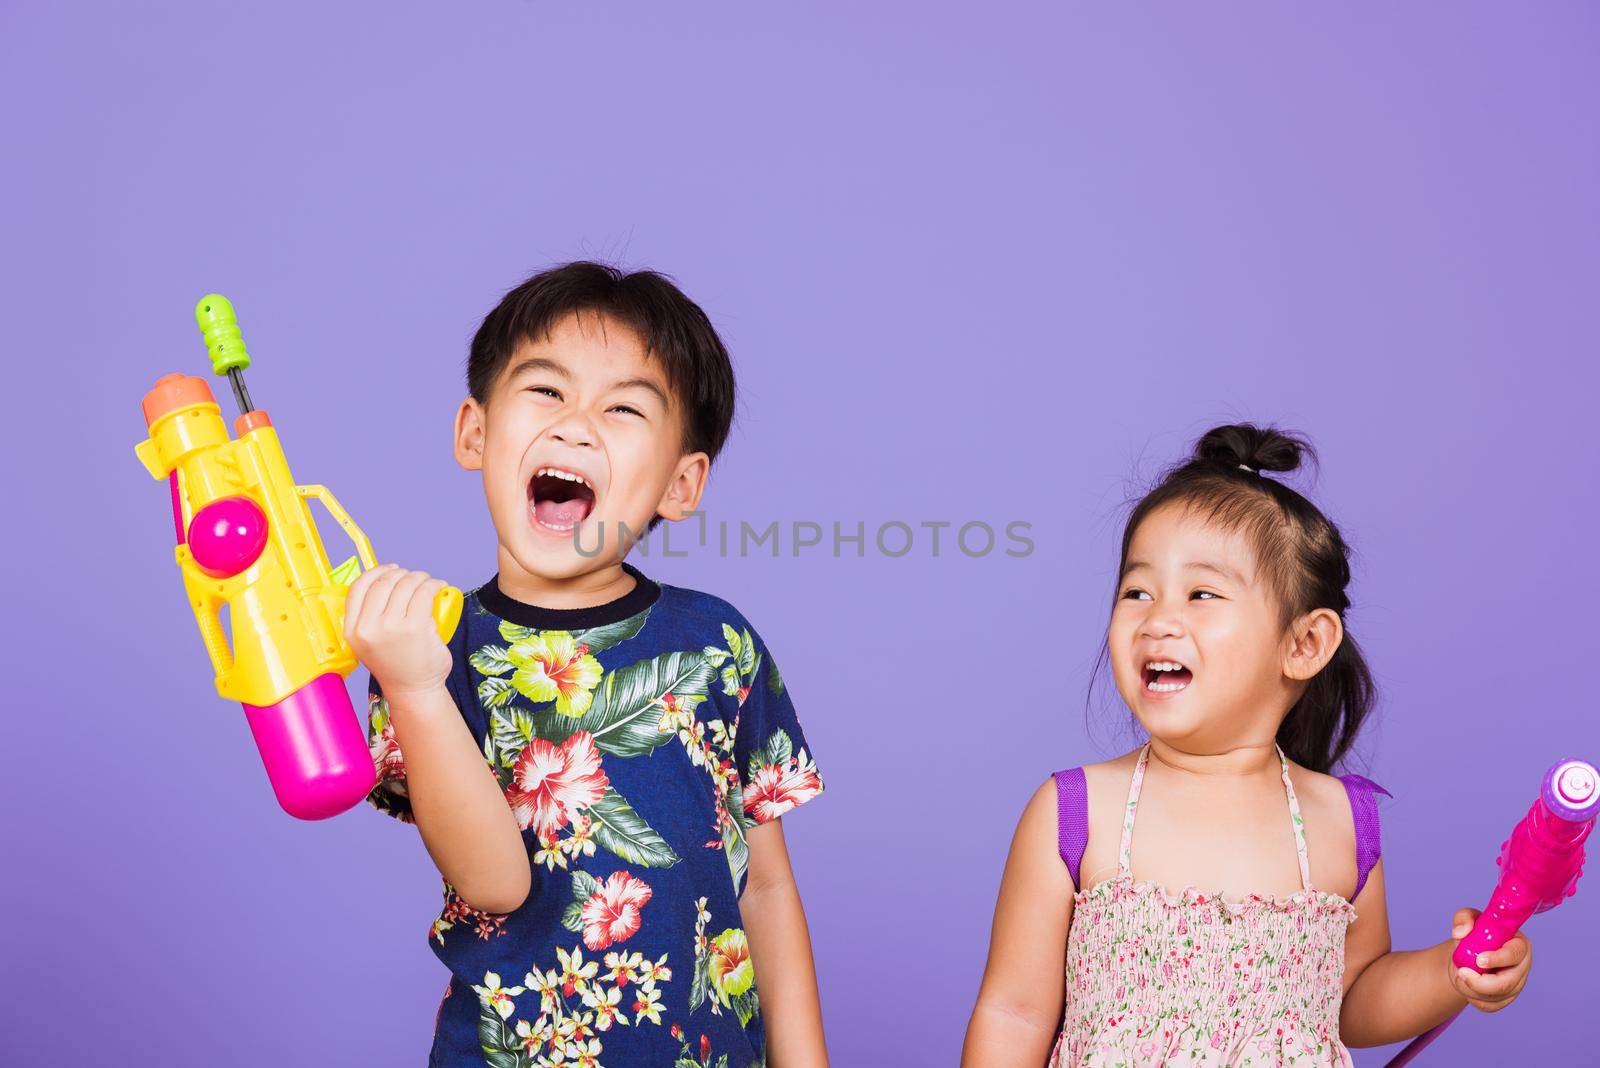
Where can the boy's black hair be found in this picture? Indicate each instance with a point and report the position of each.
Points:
(1301, 553)
(674, 329)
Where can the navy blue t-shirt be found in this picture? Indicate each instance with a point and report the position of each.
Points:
(636, 743)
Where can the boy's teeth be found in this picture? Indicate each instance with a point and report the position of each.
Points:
(569, 476)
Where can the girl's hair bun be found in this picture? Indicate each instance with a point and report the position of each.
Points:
(1260, 448)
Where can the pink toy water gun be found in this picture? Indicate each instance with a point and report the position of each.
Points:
(1539, 868)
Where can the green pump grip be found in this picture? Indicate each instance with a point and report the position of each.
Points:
(221, 330)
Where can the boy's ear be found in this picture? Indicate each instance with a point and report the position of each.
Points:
(688, 482)
(1312, 641)
(469, 435)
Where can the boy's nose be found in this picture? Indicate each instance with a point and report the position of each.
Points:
(573, 432)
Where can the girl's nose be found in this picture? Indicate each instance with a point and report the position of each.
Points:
(1162, 622)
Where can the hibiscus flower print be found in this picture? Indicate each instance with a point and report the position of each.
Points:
(612, 913)
(386, 757)
(551, 666)
(550, 784)
(731, 971)
(776, 788)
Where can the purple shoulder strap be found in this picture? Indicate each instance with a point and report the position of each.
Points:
(1369, 839)
(1072, 818)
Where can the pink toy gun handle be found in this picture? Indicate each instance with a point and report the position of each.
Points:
(1541, 861)
(1539, 868)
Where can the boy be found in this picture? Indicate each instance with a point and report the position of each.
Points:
(597, 763)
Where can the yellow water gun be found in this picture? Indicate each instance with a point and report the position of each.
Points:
(246, 540)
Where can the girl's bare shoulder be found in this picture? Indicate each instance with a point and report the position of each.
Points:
(1318, 791)
(1329, 827)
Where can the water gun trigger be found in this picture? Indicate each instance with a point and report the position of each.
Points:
(346, 572)
(446, 606)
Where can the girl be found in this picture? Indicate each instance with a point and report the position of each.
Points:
(1228, 642)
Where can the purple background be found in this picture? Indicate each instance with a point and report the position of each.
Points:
(975, 262)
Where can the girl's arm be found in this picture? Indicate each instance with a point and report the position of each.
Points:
(1018, 1013)
(1390, 997)
(780, 951)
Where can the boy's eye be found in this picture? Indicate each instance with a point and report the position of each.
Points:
(546, 390)
(1134, 594)
(1202, 595)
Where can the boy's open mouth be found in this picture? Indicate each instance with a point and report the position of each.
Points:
(560, 499)
(1166, 676)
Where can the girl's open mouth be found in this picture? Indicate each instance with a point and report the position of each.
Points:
(559, 499)
(1166, 676)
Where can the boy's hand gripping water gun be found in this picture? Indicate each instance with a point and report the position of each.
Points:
(1539, 868)
(246, 540)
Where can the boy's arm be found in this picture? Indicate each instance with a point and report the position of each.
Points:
(780, 951)
(469, 830)
(1018, 1013)
(466, 825)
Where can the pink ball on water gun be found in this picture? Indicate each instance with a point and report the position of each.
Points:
(227, 536)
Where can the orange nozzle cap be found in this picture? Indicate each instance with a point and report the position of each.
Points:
(174, 392)
(250, 421)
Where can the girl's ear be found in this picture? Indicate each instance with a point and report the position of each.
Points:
(682, 495)
(1312, 641)
(469, 435)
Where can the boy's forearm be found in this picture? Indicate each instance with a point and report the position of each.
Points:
(467, 826)
(786, 977)
(1398, 996)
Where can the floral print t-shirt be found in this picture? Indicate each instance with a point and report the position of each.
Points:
(636, 742)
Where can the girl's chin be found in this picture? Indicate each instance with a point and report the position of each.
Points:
(1168, 718)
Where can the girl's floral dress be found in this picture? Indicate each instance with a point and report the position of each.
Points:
(1193, 979)
(636, 743)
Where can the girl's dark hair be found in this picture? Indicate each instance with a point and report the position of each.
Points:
(674, 329)
(1302, 555)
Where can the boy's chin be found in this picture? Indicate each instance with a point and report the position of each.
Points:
(560, 554)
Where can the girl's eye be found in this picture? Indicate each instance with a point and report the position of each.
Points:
(1202, 595)
(627, 408)
(1133, 594)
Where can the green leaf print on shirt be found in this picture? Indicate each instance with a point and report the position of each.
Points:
(625, 717)
(738, 662)
(618, 828)
(499, 1044)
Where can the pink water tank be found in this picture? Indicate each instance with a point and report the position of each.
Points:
(314, 749)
